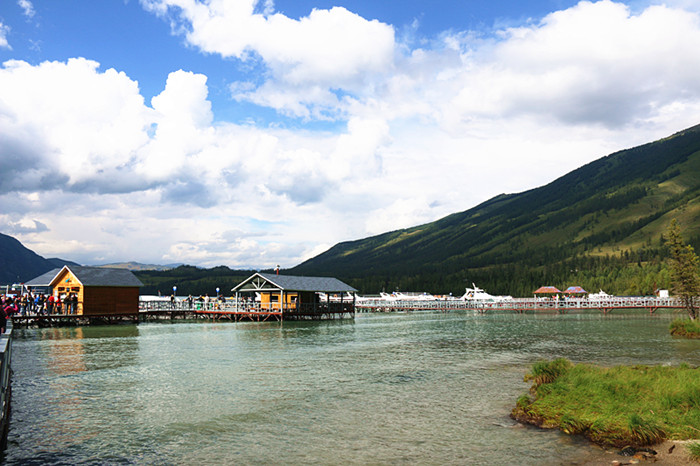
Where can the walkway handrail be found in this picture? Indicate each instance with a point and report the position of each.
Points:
(243, 305)
(5, 380)
(524, 304)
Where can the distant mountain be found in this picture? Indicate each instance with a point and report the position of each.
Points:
(191, 280)
(59, 263)
(19, 264)
(139, 266)
(599, 226)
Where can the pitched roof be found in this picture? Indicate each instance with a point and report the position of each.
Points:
(296, 283)
(575, 290)
(44, 279)
(547, 289)
(103, 276)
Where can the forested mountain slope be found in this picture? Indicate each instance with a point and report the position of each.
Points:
(19, 264)
(599, 226)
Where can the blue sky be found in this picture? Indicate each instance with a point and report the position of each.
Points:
(254, 133)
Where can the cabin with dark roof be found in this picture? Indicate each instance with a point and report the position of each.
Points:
(296, 297)
(42, 283)
(99, 290)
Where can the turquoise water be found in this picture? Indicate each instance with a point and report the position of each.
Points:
(421, 388)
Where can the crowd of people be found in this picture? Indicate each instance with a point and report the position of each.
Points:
(29, 303)
(202, 302)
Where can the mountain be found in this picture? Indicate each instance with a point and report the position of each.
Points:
(599, 226)
(19, 264)
(133, 266)
(191, 280)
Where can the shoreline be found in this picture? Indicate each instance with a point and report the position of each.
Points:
(642, 413)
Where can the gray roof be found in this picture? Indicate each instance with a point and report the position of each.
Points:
(295, 283)
(43, 280)
(103, 276)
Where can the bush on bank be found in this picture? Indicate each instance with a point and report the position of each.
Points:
(685, 328)
(619, 406)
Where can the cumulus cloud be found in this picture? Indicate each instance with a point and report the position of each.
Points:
(23, 227)
(592, 63)
(75, 122)
(328, 49)
(95, 172)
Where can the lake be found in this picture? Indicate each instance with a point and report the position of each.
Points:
(404, 388)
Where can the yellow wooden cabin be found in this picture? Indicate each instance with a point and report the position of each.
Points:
(299, 297)
(100, 290)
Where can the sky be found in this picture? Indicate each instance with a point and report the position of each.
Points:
(256, 133)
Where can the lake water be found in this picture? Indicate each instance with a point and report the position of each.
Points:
(417, 388)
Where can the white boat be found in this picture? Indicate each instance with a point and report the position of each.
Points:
(408, 296)
(477, 294)
(601, 295)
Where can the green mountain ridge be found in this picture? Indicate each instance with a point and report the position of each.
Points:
(599, 226)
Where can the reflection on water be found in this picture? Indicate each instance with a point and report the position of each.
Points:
(391, 388)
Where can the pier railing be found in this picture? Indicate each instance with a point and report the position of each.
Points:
(231, 305)
(5, 382)
(605, 305)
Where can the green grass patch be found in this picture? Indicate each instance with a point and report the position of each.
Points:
(685, 328)
(694, 451)
(619, 406)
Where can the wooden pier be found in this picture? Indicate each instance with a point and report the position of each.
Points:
(523, 305)
(70, 320)
(243, 311)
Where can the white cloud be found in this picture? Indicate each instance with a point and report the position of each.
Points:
(4, 31)
(27, 8)
(95, 173)
(593, 63)
(306, 58)
(402, 213)
(325, 46)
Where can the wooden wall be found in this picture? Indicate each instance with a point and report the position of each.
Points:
(110, 300)
(67, 283)
(271, 300)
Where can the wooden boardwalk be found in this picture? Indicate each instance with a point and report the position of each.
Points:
(70, 320)
(244, 311)
(523, 305)
(155, 311)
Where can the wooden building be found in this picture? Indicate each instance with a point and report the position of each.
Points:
(42, 283)
(99, 290)
(296, 297)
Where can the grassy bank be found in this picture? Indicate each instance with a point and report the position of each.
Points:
(619, 406)
(685, 328)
